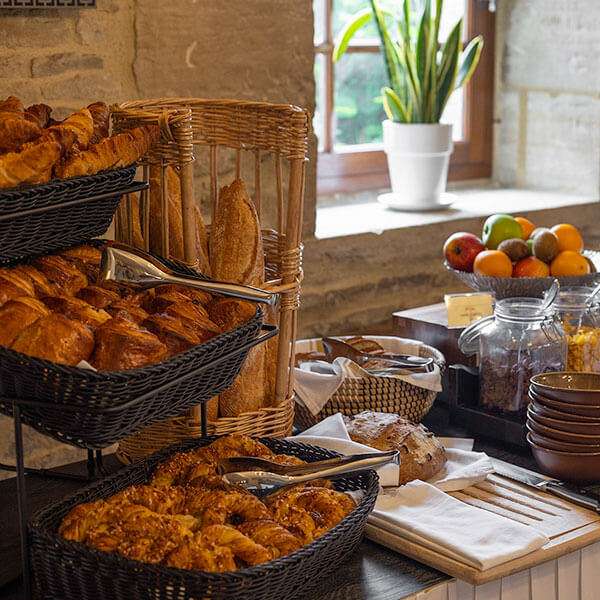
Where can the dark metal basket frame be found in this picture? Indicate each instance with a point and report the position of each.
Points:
(139, 473)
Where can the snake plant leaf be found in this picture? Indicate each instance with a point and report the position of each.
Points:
(349, 31)
(389, 52)
(423, 47)
(448, 68)
(404, 24)
(394, 107)
(470, 60)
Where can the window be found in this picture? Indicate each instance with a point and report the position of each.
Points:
(349, 111)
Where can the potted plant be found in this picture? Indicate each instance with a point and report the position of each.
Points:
(422, 75)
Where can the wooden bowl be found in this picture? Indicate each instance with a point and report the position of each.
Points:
(562, 436)
(566, 407)
(551, 413)
(567, 466)
(569, 386)
(580, 427)
(546, 442)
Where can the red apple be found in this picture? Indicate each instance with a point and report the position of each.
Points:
(461, 249)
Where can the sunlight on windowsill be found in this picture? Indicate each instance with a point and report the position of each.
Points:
(356, 213)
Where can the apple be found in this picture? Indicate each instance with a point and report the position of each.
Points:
(461, 249)
(498, 228)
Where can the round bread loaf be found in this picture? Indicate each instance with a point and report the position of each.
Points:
(421, 453)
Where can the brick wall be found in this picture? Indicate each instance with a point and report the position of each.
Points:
(547, 95)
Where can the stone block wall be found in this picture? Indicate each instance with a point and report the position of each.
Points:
(548, 95)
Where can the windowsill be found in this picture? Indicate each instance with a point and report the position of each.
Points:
(358, 213)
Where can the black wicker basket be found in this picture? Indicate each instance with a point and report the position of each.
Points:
(64, 570)
(42, 218)
(92, 409)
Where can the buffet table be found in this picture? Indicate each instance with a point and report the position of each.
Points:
(374, 573)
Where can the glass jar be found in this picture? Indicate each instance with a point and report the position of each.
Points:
(580, 320)
(520, 340)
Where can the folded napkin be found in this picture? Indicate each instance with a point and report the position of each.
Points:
(421, 513)
(463, 468)
(315, 382)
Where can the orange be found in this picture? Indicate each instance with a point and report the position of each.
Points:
(492, 263)
(569, 237)
(569, 263)
(526, 225)
(531, 267)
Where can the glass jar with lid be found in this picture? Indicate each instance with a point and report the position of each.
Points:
(520, 340)
(579, 314)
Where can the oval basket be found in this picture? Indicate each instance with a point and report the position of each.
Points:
(72, 571)
(39, 219)
(92, 409)
(525, 287)
(379, 394)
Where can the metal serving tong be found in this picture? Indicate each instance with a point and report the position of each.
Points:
(124, 264)
(257, 473)
(398, 362)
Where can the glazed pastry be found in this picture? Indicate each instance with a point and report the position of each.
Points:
(190, 314)
(101, 118)
(33, 164)
(166, 501)
(171, 332)
(63, 275)
(229, 313)
(39, 114)
(154, 303)
(77, 309)
(195, 295)
(275, 538)
(86, 259)
(57, 339)
(13, 285)
(128, 310)
(121, 344)
(41, 285)
(181, 468)
(77, 129)
(98, 296)
(18, 314)
(15, 128)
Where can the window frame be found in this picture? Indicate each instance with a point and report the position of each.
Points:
(361, 168)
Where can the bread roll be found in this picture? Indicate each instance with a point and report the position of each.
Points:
(122, 344)
(421, 454)
(57, 339)
(18, 314)
(236, 255)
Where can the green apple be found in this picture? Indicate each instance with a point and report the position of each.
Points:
(498, 228)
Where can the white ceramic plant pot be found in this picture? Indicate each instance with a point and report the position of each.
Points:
(418, 156)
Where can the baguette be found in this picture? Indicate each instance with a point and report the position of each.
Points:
(236, 255)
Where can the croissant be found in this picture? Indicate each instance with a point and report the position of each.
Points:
(101, 117)
(64, 276)
(15, 128)
(77, 129)
(33, 164)
(38, 114)
(121, 344)
(275, 538)
(118, 151)
(77, 309)
(18, 314)
(56, 338)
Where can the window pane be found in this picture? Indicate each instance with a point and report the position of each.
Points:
(359, 78)
(453, 11)
(343, 10)
(454, 114)
(318, 120)
(319, 8)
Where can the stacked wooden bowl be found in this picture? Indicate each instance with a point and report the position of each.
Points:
(563, 421)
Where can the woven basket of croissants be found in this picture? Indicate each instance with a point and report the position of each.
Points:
(100, 361)
(246, 229)
(170, 527)
(61, 181)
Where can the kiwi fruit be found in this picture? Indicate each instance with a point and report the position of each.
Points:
(545, 246)
(515, 249)
(538, 230)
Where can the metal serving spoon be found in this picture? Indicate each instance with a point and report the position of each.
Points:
(415, 364)
(256, 473)
(124, 264)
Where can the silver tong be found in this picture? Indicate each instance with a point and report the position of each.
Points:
(256, 473)
(125, 264)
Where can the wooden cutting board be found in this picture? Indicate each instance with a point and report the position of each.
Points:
(568, 526)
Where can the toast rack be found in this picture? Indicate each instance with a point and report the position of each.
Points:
(124, 264)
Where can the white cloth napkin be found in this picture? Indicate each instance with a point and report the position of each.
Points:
(421, 513)
(463, 468)
(315, 382)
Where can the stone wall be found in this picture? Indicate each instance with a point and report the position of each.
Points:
(548, 95)
(129, 49)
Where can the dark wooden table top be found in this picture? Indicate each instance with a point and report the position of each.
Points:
(373, 573)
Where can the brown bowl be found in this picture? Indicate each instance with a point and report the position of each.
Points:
(562, 436)
(567, 466)
(551, 413)
(569, 386)
(580, 427)
(566, 407)
(551, 444)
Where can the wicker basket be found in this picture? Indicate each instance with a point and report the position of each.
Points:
(380, 394)
(273, 137)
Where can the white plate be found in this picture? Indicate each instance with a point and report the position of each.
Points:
(397, 202)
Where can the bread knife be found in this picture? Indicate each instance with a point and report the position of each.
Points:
(544, 484)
